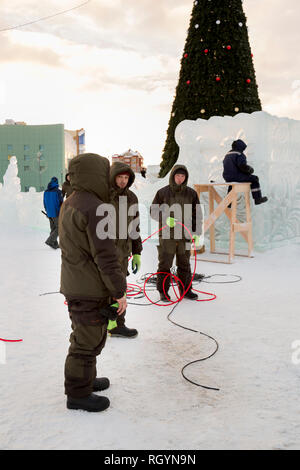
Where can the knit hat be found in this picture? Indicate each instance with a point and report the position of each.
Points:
(180, 171)
(124, 173)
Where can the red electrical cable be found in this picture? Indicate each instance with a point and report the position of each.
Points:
(173, 276)
(11, 340)
(130, 292)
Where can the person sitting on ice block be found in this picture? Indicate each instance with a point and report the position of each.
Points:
(237, 170)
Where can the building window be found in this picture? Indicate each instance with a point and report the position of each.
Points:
(26, 168)
(41, 157)
(42, 188)
(26, 157)
(10, 148)
(26, 189)
(41, 147)
(42, 167)
(26, 147)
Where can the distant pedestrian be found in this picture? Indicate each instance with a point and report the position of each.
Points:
(66, 187)
(237, 170)
(53, 199)
(143, 172)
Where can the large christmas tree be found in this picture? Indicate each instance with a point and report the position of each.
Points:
(217, 76)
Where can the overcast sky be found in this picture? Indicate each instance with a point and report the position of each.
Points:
(112, 66)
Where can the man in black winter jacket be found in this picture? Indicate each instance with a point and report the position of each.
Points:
(237, 170)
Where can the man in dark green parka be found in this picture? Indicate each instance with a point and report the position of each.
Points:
(128, 240)
(66, 187)
(91, 277)
(174, 204)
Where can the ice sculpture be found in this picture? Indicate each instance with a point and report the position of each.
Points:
(17, 208)
(10, 194)
(274, 152)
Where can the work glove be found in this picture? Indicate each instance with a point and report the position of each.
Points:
(196, 239)
(171, 222)
(111, 325)
(136, 263)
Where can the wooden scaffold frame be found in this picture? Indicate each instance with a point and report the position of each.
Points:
(244, 228)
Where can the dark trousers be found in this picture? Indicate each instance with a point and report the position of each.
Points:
(254, 186)
(166, 252)
(86, 342)
(124, 268)
(52, 239)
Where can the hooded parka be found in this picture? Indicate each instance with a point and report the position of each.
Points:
(236, 169)
(186, 198)
(235, 163)
(174, 241)
(127, 242)
(90, 271)
(66, 187)
(90, 267)
(53, 198)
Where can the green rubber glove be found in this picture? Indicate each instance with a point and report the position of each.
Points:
(171, 222)
(111, 324)
(196, 239)
(136, 263)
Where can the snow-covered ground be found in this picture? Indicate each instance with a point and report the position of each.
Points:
(255, 322)
(257, 367)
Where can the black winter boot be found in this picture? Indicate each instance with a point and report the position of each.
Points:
(123, 332)
(91, 403)
(189, 294)
(100, 383)
(163, 298)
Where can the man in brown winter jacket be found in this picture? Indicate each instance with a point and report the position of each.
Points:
(66, 187)
(91, 278)
(174, 204)
(128, 240)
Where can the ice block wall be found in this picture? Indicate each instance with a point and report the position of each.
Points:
(274, 152)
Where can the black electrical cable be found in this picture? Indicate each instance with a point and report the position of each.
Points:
(48, 293)
(239, 278)
(152, 280)
(198, 360)
(201, 278)
(44, 17)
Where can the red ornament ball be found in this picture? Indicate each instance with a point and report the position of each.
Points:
(228, 47)
(185, 56)
(218, 79)
(248, 80)
(188, 82)
(206, 51)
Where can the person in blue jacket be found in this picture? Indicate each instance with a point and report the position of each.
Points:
(53, 199)
(237, 170)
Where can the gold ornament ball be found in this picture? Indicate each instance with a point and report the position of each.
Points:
(236, 109)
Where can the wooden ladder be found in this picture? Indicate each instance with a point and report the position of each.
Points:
(244, 228)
